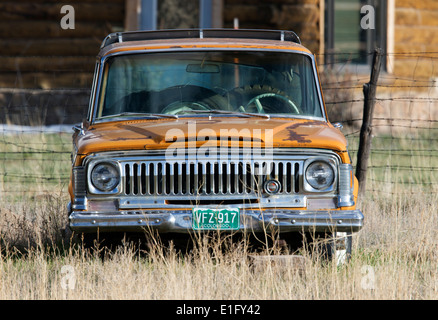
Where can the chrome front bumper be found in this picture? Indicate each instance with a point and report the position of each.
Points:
(180, 221)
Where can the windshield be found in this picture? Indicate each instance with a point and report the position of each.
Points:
(219, 82)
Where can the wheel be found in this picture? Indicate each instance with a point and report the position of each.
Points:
(177, 99)
(260, 109)
(338, 247)
(180, 107)
(248, 97)
(330, 247)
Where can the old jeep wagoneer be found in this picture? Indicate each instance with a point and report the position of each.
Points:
(197, 130)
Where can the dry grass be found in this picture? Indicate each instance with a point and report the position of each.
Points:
(395, 257)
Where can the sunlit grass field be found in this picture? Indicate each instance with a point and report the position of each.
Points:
(34, 163)
(395, 255)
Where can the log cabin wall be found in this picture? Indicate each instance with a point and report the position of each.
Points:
(46, 71)
(305, 17)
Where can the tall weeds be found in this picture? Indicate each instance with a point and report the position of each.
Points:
(394, 257)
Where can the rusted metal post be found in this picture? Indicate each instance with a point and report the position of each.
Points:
(369, 91)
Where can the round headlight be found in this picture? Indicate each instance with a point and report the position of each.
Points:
(105, 177)
(320, 175)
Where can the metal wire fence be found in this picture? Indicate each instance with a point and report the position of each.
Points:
(404, 152)
(35, 128)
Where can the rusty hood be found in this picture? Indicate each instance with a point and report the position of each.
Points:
(195, 132)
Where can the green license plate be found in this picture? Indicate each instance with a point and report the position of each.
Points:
(215, 219)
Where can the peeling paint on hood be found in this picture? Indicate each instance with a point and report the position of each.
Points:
(160, 134)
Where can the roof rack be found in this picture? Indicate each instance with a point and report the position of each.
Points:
(262, 34)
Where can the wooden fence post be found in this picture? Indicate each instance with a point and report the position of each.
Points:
(369, 91)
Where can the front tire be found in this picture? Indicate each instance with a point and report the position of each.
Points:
(338, 247)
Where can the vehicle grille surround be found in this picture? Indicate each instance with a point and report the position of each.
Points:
(152, 175)
(208, 178)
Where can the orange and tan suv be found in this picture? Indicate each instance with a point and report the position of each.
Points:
(193, 130)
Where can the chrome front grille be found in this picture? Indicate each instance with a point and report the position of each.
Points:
(205, 178)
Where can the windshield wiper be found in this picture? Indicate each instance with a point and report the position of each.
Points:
(249, 114)
(154, 115)
(164, 115)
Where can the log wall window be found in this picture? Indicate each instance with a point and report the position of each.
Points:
(349, 35)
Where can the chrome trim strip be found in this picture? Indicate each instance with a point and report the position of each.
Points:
(94, 90)
(179, 221)
(244, 202)
(277, 152)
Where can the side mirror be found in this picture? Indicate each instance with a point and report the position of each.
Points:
(80, 128)
(338, 125)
